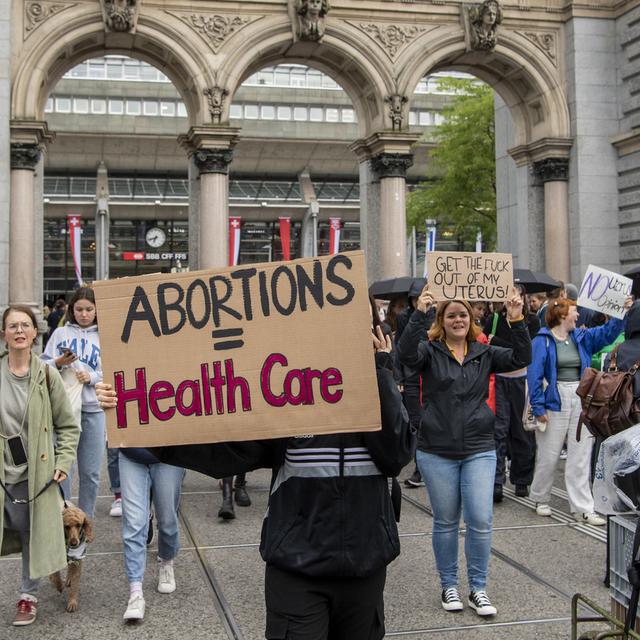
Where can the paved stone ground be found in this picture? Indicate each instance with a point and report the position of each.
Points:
(537, 564)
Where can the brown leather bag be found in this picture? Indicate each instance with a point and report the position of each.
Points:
(608, 405)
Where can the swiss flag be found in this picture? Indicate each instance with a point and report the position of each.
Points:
(74, 225)
(234, 240)
(335, 224)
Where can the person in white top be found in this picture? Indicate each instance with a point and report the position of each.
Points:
(76, 347)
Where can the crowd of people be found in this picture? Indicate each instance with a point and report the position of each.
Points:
(472, 393)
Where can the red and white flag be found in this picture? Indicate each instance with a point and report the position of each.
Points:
(285, 237)
(234, 240)
(335, 224)
(73, 223)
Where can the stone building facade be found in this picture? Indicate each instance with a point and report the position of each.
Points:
(563, 70)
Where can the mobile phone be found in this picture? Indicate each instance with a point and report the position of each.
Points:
(18, 453)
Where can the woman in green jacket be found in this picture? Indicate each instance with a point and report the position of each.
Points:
(38, 440)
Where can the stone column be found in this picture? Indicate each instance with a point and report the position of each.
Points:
(22, 228)
(554, 174)
(210, 149)
(391, 168)
(384, 159)
(213, 245)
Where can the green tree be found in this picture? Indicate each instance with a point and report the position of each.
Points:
(461, 196)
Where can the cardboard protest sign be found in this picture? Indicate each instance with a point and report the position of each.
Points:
(604, 291)
(258, 351)
(456, 275)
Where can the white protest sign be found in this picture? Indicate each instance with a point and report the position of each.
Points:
(456, 275)
(604, 291)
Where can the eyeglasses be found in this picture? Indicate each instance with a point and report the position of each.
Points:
(15, 326)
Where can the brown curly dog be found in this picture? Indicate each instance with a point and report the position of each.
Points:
(77, 532)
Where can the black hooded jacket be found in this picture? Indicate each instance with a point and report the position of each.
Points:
(456, 420)
(629, 350)
(330, 511)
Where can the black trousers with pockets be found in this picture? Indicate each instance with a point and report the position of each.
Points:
(309, 608)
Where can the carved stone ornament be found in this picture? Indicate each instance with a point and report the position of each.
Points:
(309, 23)
(544, 41)
(216, 97)
(391, 36)
(392, 165)
(483, 25)
(214, 28)
(213, 160)
(35, 13)
(552, 169)
(396, 104)
(25, 156)
(120, 15)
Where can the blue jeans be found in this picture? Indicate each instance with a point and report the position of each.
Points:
(460, 485)
(137, 480)
(113, 469)
(90, 456)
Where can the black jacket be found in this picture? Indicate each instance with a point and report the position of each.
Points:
(330, 511)
(456, 420)
(629, 350)
(502, 337)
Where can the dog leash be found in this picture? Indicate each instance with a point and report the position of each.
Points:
(23, 501)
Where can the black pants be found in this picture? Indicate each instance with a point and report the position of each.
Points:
(510, 434)
(307, 608)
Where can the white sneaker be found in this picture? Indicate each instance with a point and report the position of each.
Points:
(480, 603)
(590, 518)
(116, 508)
(166, 579)
(135, 608)
(450, 600)
(543, 509)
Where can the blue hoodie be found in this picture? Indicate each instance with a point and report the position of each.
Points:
(85, 343)
(544, 361)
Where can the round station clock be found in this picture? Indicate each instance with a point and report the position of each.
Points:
(155, 237)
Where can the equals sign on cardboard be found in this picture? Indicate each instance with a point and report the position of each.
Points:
(223, 343)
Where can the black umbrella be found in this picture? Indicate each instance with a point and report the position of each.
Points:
(534, 281)
(634, 274)
(387, 289)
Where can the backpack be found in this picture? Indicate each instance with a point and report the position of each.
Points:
(608, 405)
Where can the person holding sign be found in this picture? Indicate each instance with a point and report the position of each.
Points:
(456, 446)
(561, 353)
(330, 531)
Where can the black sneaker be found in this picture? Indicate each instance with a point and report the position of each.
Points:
(480, 603)
(414, 480)
(450, 599)
(522, 490)
(497, 493)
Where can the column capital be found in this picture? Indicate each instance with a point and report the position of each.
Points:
(29, 139)
(213, 160)
(392, 165)
(211, 147)
(552, 169)
(384, 142)
(542, 149)
(25, 156)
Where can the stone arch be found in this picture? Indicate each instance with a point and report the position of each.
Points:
(77, 38)
(339, 55)
(525, 79)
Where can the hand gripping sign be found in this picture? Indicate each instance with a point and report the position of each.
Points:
(261, 351)
(604, 291)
